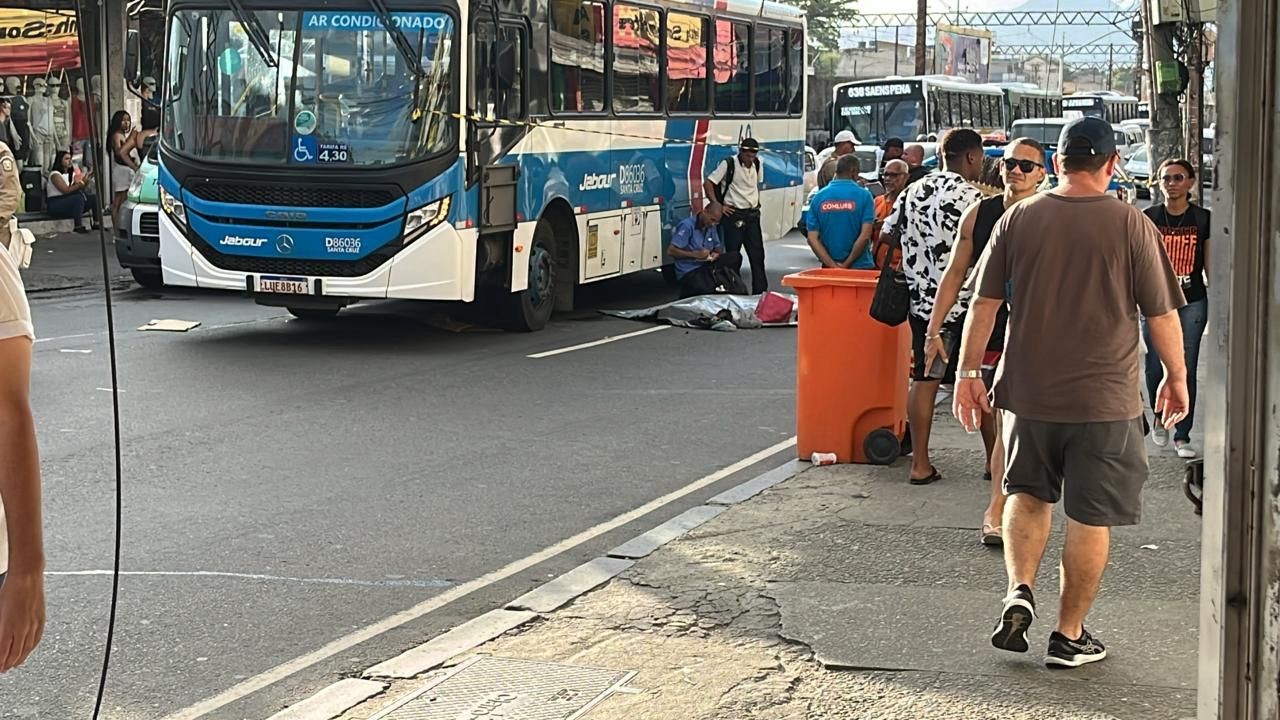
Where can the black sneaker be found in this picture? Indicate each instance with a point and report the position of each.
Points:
(1066, 653)
(1019, 610)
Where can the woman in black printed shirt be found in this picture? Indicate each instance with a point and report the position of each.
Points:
(1185, 227)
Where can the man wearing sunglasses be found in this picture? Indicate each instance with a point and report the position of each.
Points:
(1077, 266)
(1022, 171)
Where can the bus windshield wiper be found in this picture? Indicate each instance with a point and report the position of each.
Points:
(407, 51)
(253, 29)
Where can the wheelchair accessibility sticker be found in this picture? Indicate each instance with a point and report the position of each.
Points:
(305, 150)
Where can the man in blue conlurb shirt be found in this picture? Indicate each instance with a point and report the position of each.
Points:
(702, 265)
(840, 220)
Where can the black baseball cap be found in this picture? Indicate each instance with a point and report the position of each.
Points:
(894, 142)
(749, 144)
(1087, 137)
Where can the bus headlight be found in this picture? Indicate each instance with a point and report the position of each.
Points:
(426, 217)
(173, 207)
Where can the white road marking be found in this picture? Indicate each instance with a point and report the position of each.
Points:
(67, 337)
(75, 351)
(342, 644)
(797, 247)
(252, 576)
(595, 343)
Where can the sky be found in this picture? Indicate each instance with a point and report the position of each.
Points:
(1074, 35)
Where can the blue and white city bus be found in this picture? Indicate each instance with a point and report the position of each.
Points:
(316, 154)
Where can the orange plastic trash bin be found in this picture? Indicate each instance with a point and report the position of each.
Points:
(851, 370)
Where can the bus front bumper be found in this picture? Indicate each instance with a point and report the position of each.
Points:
(440, 265)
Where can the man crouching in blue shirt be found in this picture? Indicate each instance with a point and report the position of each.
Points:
(840, 219)
(700, 255)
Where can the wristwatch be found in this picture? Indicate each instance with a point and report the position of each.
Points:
(969, 374)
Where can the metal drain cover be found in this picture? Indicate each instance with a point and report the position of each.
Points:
(495, 687)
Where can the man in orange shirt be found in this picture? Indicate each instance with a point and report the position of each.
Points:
(894, 177)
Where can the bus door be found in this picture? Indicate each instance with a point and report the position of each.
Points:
(497, 113)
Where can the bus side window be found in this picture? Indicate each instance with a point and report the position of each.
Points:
(578, 31)
(688, 38)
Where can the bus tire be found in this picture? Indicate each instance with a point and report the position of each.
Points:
(313, 314)
(530, 309)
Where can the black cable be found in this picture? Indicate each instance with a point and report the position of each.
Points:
(115, 417)
(103, 188)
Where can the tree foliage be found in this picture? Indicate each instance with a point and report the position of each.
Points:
(826, 17)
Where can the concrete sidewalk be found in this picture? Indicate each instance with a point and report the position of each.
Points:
(64, 260)
(844, 592)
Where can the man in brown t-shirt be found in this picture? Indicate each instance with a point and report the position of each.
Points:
(1077, 266)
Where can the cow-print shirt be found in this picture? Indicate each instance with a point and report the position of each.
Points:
(930, 213)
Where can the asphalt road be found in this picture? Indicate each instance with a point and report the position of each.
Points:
(286, 484)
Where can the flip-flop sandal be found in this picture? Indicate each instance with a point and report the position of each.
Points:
(986, 476)
(933, 477)
(992, 535)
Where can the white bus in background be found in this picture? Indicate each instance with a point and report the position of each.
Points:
(1110, 106)
(916, 108)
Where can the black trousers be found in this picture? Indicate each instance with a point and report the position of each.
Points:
(748, 237)
(702, 281)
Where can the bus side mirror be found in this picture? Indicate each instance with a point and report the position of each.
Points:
(132, 58)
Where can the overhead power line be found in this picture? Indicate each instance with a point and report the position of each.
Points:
(1114, 18)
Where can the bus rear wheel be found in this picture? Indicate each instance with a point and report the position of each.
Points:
(530, 309)
(313, 314)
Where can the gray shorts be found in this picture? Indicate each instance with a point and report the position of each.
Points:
(1096, 469)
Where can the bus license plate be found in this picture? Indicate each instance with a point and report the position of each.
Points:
(283, 285)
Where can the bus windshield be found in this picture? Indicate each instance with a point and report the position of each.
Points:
(308, 88)
(878, 112)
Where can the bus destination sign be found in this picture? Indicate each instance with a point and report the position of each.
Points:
(880, 90)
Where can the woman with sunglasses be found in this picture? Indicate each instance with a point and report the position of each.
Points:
(1185, 227)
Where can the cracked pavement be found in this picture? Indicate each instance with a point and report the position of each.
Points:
(846, 593)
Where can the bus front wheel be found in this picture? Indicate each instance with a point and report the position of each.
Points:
(530, 309)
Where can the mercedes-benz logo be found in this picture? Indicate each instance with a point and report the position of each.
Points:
(284, 244)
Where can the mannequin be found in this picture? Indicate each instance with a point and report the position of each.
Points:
(61, 115)
(81, 128)
(43, 131)
(21, 114)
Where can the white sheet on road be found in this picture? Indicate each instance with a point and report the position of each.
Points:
(707, 312)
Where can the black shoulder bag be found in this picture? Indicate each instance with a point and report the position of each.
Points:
(892, 300)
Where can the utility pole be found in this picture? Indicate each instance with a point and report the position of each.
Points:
(1195, 95)
(1164, 139)
(1111, 67)
(897, 48)
(922, 23)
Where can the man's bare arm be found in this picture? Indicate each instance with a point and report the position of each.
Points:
(859, 245)
(977, 331)
(820, 250)
(22, 609)
(20, 469)
(1166, 339)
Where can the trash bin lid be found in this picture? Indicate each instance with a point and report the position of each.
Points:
(824, 277)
